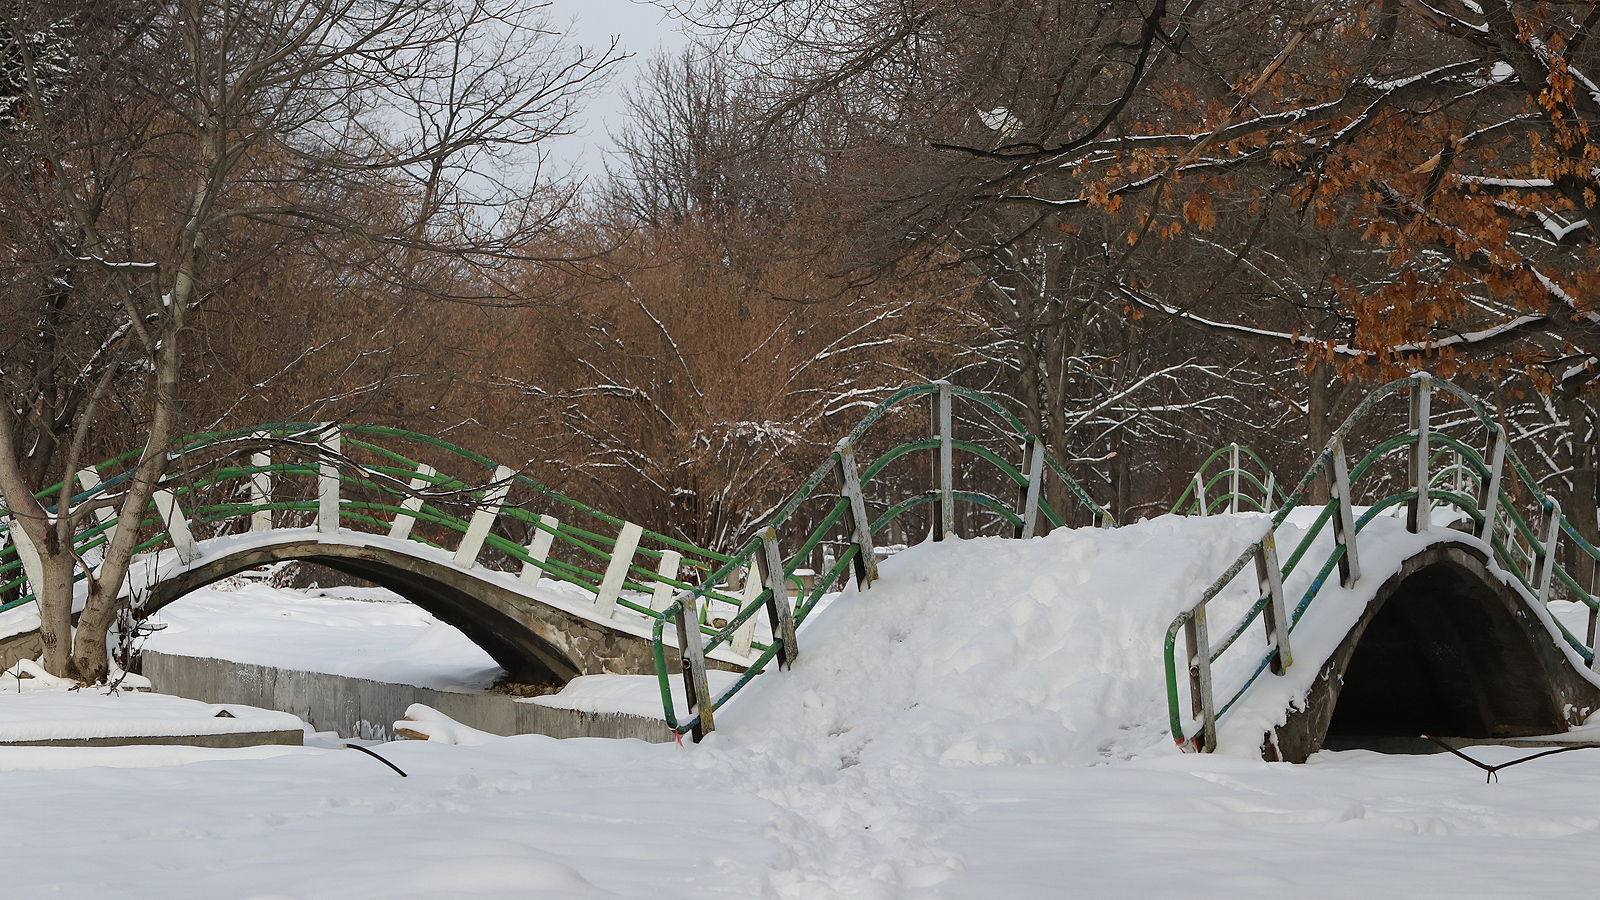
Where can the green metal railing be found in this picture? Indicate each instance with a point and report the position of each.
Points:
(1225, 483)
(374, 479)
(842, 512)
(378, 478)
(1442, 470)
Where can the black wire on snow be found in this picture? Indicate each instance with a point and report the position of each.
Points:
(377, 757)
(1493, 771)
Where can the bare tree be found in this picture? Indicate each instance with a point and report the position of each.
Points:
(188, 144)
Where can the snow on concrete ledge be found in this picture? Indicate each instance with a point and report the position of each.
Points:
(38, 716)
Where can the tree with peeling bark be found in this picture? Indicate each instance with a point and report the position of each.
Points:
(174, 150)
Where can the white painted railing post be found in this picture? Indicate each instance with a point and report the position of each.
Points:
(494, 499)
(539, 550)
(1547, 556)
(32, 566)
(866, 563)
(328, 482)
(947, 498)
(1344, 520)
(1202, 705)
(1419, 517)
(411, 503)
(260, 487)
(691, 653)
(935, 468)
(1233, 476)
(89, 479)
(1490, 503)
(605, 599)
(1030, 508)
(742, 637)
(1270, 579)
(668, 569)
(779, 615)
(1200, 493)
(177, 526)
(1272, 486)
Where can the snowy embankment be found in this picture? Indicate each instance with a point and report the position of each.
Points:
(987, 721)
(999, 651)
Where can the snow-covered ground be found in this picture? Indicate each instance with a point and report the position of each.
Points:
(358, 632)
(65, 714)
(988, 721)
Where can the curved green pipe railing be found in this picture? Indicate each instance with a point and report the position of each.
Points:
(1268, 493)
(213, 472)
(1467, 464)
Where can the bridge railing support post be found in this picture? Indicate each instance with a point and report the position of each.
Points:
(328, 482)
(754, 583)
(539, 550)
(1270, 578)
(90, 479)
(605, 599)
(1489, 503)
(668, 569)
(691, 652)
(1030, 502)
(866, 563)
(1547, 553)
(261, 487)
(1202, 704)
(1233, 478)
(400, 529)
(1344, 520)
(1420, 514)
(483, 518)
(779, 614)
(1200, 493)
(177, 525)
(944, 463)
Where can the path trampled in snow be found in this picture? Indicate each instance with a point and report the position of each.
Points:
(988, 721)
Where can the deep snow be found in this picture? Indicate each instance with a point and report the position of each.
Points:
(986, 721)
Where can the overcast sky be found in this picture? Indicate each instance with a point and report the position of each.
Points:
(641, 29)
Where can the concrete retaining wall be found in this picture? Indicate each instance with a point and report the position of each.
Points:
(19, 646)
(356, 707)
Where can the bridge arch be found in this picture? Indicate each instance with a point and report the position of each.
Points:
(1446, 648)
(534, 642)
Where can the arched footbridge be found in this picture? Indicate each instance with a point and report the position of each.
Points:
(550, 587)
(1459, 606)
(1451, 606)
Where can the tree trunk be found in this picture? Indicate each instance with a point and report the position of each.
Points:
(1319, 429)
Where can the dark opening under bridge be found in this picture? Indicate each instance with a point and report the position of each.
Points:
(1437, 622)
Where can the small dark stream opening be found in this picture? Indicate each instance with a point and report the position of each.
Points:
(1443, 656)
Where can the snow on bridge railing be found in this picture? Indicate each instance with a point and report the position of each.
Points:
(844, 511)
(1441, 470)
(1227, 483)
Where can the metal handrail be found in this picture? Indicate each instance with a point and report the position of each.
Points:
(762, 551)
(1490, 507)
(384, 467)
(1200, 496)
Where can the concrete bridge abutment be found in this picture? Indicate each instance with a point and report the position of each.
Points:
(1445, 648)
